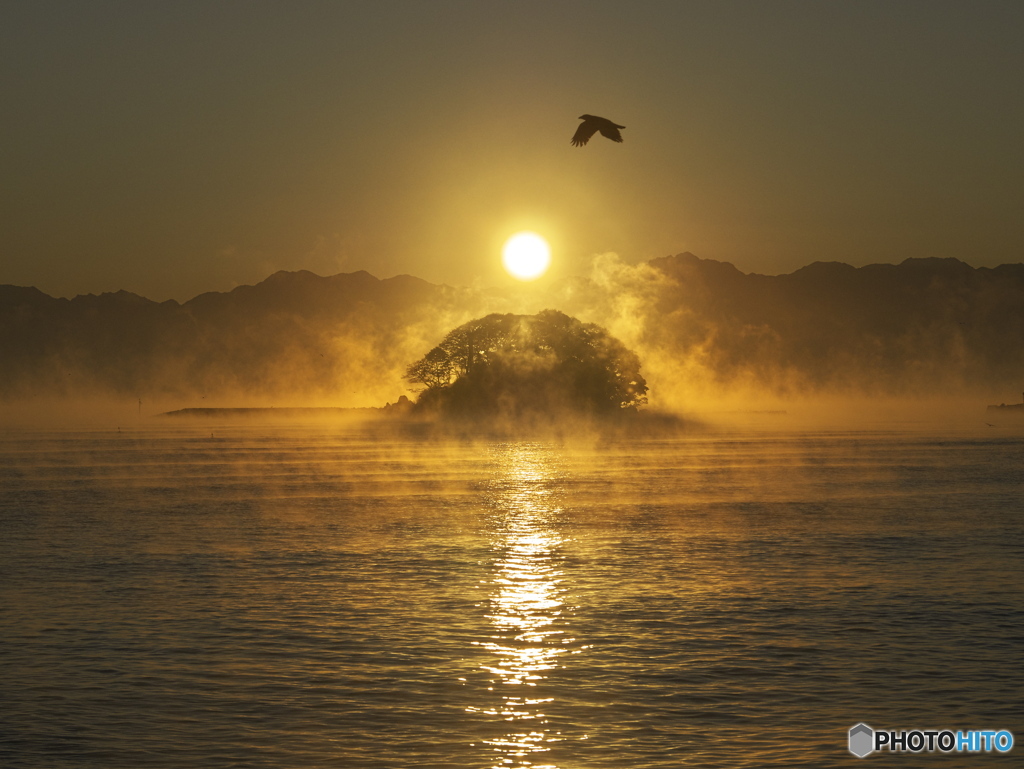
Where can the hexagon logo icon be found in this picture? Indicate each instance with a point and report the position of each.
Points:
(862, 738)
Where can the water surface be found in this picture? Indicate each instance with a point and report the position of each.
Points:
(303, 596)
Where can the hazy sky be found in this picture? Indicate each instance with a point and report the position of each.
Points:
(179, 147)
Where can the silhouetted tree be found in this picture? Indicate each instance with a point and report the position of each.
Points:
(512, 364)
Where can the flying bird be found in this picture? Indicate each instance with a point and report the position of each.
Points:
(592, 124)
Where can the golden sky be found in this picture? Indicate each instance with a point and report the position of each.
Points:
(175, 148)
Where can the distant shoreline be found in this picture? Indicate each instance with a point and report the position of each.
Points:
(1013, 408)
(297, 411)
(399, 417)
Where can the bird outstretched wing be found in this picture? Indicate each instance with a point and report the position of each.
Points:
(610, 130)
(584, 131)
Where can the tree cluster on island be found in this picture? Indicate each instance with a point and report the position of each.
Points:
(518, 366)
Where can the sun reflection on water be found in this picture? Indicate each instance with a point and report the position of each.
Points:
(526, 607)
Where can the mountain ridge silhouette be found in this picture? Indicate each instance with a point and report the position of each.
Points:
(926, 322)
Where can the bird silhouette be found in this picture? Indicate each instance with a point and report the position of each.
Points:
(592, 124)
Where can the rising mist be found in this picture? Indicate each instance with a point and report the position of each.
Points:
(708, 336)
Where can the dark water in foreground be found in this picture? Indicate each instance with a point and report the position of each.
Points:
(316, 597)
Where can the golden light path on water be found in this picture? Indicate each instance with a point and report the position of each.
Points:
(526, 607)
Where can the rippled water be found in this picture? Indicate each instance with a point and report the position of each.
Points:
(323, 597)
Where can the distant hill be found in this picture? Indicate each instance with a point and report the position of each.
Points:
(293, 334)
(925, 325)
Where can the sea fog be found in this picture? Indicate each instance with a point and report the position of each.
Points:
(741, 593)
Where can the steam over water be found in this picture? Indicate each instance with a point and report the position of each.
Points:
(323, 597)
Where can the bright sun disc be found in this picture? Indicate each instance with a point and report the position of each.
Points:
(526, 256)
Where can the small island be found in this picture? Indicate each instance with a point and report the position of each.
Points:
(528, 367)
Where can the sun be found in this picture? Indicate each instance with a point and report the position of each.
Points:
(526, 256)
